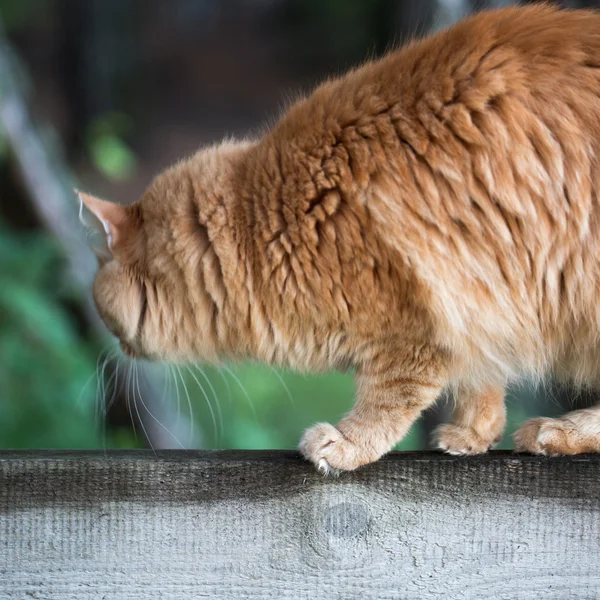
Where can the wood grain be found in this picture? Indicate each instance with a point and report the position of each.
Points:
(234, 525)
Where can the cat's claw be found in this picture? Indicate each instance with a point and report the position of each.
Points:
(323, 466)
(326, 469)
(329, 450)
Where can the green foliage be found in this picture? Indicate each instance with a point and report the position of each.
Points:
(47, 381)
(109, 152)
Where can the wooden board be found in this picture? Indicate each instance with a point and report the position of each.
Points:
(236, 525)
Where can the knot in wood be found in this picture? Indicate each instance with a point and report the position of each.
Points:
(346, 519)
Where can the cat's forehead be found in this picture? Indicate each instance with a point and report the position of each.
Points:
(202, 175)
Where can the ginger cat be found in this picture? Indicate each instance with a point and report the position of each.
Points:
(430, 220)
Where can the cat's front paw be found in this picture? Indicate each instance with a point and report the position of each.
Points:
(460, 441)
(329, 450)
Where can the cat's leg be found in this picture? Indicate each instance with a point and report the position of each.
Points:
(391, 393)
(478, 422)
(574, 433)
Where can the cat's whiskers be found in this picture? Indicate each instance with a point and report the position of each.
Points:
(166, 385)
(158, 421)
(99, 371)
(127, 397)
(215, 396)
(109, 386)
(209, 404)
(110, 383)
(115, 386)
(102, 386)
(241, 386)
(93, 374)
(105, 383)
(284, 385)
(189, 401)
(139, 395)
(177, 396)
(226, 383)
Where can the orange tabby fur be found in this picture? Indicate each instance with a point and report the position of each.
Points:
(431, 220)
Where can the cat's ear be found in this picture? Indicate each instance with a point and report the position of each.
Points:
(107, 223)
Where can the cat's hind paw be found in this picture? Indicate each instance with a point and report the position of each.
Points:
(549, 437)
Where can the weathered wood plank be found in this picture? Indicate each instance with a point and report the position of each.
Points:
(264, 525)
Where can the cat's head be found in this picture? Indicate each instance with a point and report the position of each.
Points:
(160, 285)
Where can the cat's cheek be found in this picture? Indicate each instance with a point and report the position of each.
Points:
(118, 301)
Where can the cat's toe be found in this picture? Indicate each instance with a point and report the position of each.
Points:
(329, 450)
(525, 438)
(458, 440)
(550, 437)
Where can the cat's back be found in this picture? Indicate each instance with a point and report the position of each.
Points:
(464, 166)
(504, 107)
(474, 150)
(539, 48)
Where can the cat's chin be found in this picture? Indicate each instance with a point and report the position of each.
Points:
(138, 354)
(130, 351)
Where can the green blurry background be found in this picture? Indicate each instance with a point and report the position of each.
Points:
(117, 90)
